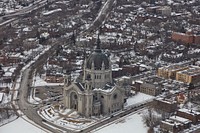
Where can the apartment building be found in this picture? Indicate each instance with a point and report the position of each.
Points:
(190, 75)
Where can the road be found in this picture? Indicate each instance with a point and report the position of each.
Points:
(101, 17)
(30, 110)
(114, 117)
(14, 16)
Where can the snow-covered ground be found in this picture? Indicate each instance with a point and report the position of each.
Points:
(20, 126)
(138, 98)
(40, 82)
(130, 124)
(127, 125)
(68, 119)
(75, 122)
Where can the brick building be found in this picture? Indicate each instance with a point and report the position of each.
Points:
(117, 72)
(186, 122)
(194, 116)
(172, 126)
(7, 60)
(128, 70)
(186, 38)
(30, 43)
(57, 78)
(166, 105)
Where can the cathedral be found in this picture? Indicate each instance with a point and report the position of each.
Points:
(96, 94)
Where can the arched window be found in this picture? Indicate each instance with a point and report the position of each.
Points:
(115, 96)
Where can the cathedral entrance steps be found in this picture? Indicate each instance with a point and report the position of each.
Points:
(67, 115)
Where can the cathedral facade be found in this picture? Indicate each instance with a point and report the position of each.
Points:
(97, 94)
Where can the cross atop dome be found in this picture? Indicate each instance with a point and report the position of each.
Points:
(98, 48)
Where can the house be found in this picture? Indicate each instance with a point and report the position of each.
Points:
(181, 98)
(10, 59)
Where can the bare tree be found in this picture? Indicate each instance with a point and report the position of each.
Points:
(151, 118)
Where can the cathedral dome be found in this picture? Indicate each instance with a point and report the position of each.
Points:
(98, 58)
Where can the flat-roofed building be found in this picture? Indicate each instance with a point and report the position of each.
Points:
(166, 105)
(170, 125)
(186, 122)
(166, 10)
(169, 72)
(192, 115)
(190, 75)
(150, 89)
(151, 85)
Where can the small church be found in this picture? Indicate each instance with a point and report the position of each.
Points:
(97, 94)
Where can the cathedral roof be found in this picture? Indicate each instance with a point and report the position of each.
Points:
(98, 58)
(80, 86)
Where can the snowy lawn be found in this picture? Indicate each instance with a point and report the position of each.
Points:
(129, 124)
(20, 126)
(40, 82)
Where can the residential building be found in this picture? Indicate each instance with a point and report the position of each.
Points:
(162, 10)
(192, 115)
(169, 72)
(130, 69)
(150, 89)
(166, 10)
(186, 122)
(54, 78)
(190, 75)
(150, 86)
(166, 105)
(10, 59)
(172, 126)
(186, 38)
(125, 70)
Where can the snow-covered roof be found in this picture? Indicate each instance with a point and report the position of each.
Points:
(180, 119)
(1, 96)
(52, 11)
(189, 111)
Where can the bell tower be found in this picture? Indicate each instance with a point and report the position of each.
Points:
(89, 97)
